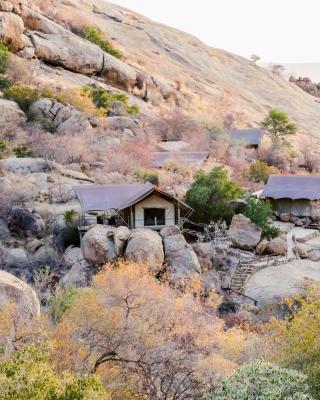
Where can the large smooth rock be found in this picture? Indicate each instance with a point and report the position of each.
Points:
(118, 72)
(98, 245)
(78, 268)
(25, 165)
(271, 284)
(11, 30)
(145, 245)
(14, 258)
(262, 247)
(243, 233)
(180, 257)
(23, 222)
(120, 237)
(11, 115)
(15, 290)
(277, 246)
(206, 255)
(69, 51)
(170, 231)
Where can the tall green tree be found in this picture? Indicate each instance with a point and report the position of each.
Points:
(277, 125)
(210, 195)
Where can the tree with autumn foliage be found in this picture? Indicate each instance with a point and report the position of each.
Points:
(144, 337)
(296, 339)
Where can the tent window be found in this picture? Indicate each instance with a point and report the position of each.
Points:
(154, 216)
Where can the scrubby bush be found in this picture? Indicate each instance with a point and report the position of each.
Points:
(70, 216)
(26, 95)
(5, 148)
(210, 195)
(259, 211)
(259, 171)
(92, 34)
(147, 175)
(4, 57)
(102, 98)
(295, 339)
(263, 381)
(62, 301)
(22, 151)
(28, 374)
(4, 82)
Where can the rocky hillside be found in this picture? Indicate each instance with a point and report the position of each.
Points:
(162, 67)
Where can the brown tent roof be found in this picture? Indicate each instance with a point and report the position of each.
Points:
(184, 157)
(115, 197)
(250, 136)
(292, 187)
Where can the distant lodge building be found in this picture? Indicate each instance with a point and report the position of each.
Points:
(187, 158)
(251, 137)
(298, 195)
(132, 205)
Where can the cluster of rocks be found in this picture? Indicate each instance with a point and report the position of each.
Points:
(167, 250)
(307, 85)
(287, 217)
(247, 236)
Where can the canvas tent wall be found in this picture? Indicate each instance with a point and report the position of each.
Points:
(298, 195)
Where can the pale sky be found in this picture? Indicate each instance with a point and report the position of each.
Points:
(277, 30)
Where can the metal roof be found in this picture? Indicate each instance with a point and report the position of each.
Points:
(292, 187)
(115, 197)
(251, 136)
(184, 157)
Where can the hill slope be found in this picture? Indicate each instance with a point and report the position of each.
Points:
(163, 67)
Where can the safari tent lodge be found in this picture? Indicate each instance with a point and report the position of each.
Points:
(298, 195)
(140, 205)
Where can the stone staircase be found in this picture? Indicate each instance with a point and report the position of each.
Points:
(245, 269)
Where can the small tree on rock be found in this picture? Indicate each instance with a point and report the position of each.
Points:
(277, 125)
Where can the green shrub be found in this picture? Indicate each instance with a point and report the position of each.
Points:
(22, 151)
(5, 148)
(4, 57)
(45, 122)
(23, 95)
(259, 171)
(104, 99)
(147, 176)
(62, 301)
(259, 212)
(92, 34)
(4, 82)
(26, 95)
(70, 216)
(28, 374)
(210, 196)
(262, 381)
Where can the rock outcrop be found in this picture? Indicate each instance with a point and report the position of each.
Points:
(98, 245)
(180, 258)
(24, 222)
(145, 245)
(277, 246)
(11, 30)
(15, 290)
(63, 117)
(243, 233)
(11, 116)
